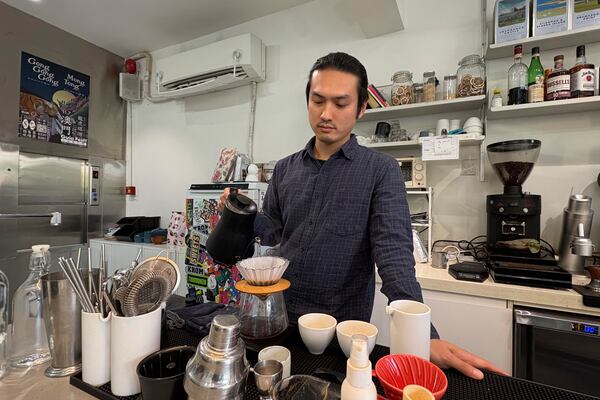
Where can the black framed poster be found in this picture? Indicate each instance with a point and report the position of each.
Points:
(54, 102)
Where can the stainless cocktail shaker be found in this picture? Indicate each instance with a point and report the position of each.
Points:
(219, 369)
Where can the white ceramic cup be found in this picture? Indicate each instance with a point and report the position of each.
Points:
(346, 329)
(132, 339)
(454, 124)
(278, 353)
(441, 125)
(316, 331)
(95, 348)
(416, 392)
(410, 328)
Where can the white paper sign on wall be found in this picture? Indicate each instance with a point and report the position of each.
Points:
(440, 148)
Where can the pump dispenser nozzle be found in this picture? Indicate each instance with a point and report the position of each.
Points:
(358, 384)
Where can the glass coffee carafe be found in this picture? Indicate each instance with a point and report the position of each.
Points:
(262, 311)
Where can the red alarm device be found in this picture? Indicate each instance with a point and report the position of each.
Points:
(130, 66)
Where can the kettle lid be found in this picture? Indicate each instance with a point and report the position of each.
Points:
(240, 204)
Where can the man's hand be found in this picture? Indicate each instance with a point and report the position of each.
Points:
(447, 355)
(221, 204)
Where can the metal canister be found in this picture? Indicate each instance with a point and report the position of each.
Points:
(219, 369)
(578, 211)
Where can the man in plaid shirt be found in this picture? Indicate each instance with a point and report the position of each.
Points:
(337, 209)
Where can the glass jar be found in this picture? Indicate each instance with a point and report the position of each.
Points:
(418, 93)
(29, 345)
(471, 76)
(428, 86)
(449, 91)
(401, 92)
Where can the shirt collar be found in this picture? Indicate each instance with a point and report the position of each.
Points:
(347, 150)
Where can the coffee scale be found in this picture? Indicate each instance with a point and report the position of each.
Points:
(513, 221)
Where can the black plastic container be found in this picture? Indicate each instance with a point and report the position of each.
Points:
(130, 226)
(161, 373)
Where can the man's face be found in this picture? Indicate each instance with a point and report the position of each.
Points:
(332, 105)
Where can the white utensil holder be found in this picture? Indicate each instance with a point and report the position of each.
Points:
(95, 348)
(132, 339)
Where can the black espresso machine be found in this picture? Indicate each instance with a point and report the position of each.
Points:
(513, 221)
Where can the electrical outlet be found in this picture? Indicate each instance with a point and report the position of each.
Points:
(468, 167)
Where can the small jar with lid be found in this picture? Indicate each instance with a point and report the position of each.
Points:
(418, 93)
(402, 88)
(428, 86)
(471, 76)
(449, 91)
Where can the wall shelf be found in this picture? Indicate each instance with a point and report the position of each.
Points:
(545, 108)
(432, 107)
(547, 42)
(417, 143)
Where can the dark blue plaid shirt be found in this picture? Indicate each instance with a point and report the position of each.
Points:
(334, 221)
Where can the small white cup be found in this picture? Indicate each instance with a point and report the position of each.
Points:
(454, 124)
(95, 348)
(316, 331)
(278, 353)
(416, 392)
(441, 125)
(346, 329)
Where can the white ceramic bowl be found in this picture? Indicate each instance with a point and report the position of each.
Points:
(473, 129)
(346, 329)
(316, 331)
(473, 121)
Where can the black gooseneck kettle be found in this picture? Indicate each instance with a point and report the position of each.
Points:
(232, 238)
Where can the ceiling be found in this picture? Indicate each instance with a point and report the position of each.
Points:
(126, 27)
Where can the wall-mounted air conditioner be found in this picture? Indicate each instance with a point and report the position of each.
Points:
(221, 65)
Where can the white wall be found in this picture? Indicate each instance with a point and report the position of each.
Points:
(177, 143)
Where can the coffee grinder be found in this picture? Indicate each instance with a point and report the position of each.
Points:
(513, 221)
(513, 217)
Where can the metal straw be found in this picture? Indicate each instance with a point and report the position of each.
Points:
(76, 283)
(78, 280)
(89, 286)
(78, 258)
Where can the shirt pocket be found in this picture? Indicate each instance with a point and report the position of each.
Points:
(345, 216)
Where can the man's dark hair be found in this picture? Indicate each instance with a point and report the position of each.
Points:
(344, 63)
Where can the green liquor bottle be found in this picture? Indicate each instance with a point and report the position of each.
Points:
(535, 78)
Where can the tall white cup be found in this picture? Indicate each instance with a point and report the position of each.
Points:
(132, 338)
(441, 125)
(410, 328)
(95, 348)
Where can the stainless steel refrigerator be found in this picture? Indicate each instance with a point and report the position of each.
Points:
(86, 192)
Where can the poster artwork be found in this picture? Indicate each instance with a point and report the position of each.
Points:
(54, 102)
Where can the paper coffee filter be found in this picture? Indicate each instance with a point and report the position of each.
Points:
(263, 271)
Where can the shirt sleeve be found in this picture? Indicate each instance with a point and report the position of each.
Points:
(391, 238)
(268, 223)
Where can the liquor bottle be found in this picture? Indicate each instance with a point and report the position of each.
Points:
(582, 76)
(558, 83)
(535, 78)
(517, 79)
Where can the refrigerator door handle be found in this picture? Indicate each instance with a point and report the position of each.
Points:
(55, 217)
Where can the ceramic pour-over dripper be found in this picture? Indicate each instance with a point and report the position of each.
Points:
(263, 271)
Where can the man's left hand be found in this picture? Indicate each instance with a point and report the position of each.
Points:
(447, 355)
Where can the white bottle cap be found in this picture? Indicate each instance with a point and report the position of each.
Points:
(359, 353)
